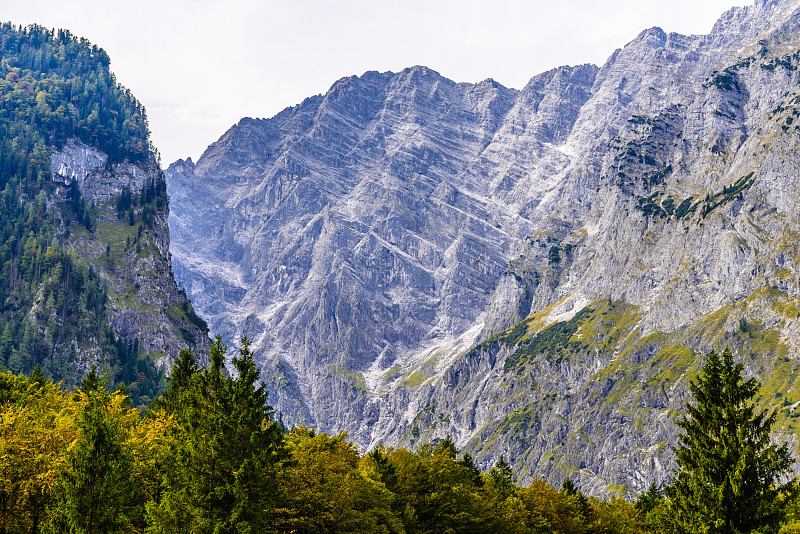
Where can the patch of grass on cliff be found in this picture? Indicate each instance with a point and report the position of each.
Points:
(601, 325)
(355, 378)
(392, 373)
(781, 302)
(184, 313)
(117, 235)
(553, 341)
(415, 379)
(609, 324)
(673, 360)
(779, 390)
(130, 299)
(518, 333)
(520, 420)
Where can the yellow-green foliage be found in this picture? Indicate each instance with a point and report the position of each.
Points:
(326, 491)
(392, 372)
(322, 483)
(415, 379)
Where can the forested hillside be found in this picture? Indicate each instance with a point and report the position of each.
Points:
(69, 251)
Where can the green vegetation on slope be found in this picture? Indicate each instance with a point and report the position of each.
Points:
(54, 296)
(656, 206)
(600, 325)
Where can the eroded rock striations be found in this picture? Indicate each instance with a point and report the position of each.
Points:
(537, 272)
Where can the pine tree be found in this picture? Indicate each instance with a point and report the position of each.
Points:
(730, 473)
(649, 499)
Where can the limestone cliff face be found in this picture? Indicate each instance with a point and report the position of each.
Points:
(359, 227)
(536, 273)
(130, 252)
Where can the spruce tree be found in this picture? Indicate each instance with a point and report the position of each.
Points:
(180, 382)
(94, 493)
(219, 472)
(731, 474)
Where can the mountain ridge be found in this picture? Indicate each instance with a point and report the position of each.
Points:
(396, 246)
(84, 242)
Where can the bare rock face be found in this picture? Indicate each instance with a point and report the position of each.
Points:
(358, 228)
(145, 302)
(97, 181)
(535, 273)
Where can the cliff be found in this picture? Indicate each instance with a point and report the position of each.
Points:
(537, 273)
(84, 241)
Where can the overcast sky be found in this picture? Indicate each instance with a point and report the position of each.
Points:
(201, 65)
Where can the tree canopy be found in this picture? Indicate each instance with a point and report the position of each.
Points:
(732, 478)
(208, 457)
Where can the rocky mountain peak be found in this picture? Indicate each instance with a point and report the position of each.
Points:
(533, 272)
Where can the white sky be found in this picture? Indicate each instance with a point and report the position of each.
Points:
(201, 65)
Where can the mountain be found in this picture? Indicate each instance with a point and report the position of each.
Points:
(84, 241)
(536, 273)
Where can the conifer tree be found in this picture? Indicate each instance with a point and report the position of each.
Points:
(180, 380)
(730, 472)
(383, 466)
(95, 491)
(219, 472)
(501, 479)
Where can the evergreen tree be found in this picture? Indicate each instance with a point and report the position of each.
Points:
(37, 377)
(649, 499)
(501, 479)
(383, 466)
(95, 491)
(219, 471)
(180, 381)
(730, 473)
(6, 344)
(469, 463)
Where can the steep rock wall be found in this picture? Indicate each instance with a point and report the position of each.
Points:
(401, 248)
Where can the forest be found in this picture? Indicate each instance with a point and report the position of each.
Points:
(53, 304)
(208, 456)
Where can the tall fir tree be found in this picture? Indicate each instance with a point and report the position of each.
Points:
(94, 494)
(219, 471)
(180, 381)
(731, 475)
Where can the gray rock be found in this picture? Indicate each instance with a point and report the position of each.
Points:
(144, 300)
(382, 242)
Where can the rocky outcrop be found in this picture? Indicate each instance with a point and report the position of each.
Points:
(535, 273)
(129, 251)
(97, 180)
